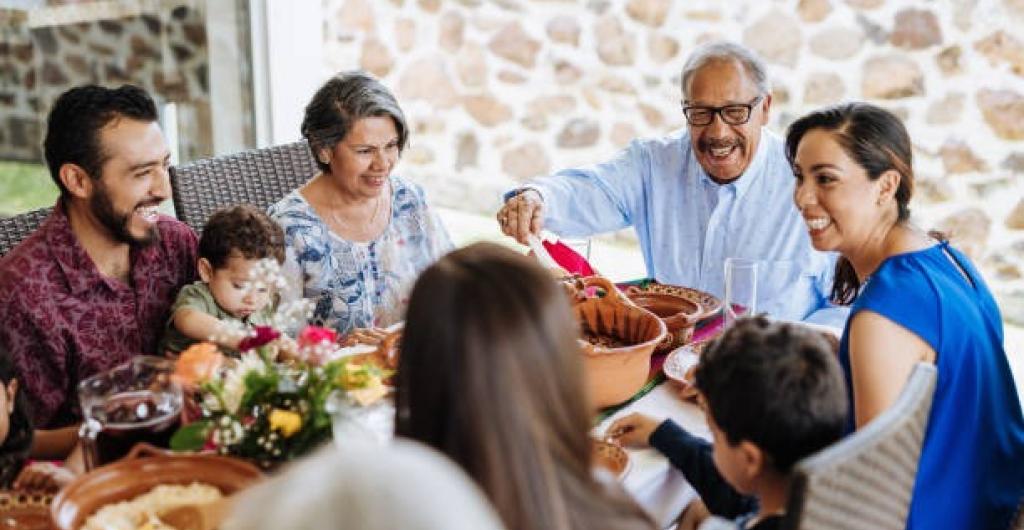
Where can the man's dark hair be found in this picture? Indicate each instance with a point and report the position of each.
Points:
(776, 385)
(78, 115)
(241, 229)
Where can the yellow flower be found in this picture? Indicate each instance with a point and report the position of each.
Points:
(286, 421)
(370, 393)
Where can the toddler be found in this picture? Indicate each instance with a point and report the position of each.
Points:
(228, 298)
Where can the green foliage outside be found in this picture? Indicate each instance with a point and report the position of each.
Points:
(24, 187)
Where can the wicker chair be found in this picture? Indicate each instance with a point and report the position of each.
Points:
(14, 229)
(259, 177)
(865, 481)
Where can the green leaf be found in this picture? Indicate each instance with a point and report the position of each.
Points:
(191, 437)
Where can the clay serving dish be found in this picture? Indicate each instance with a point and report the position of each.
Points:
(145, 468)
(710, 305)
(611, 457)
(617, 370)
(679, 314)
(25, 510)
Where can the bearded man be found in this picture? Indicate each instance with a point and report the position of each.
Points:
(92, 287)
(720, 188)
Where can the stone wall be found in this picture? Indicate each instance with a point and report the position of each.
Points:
(159, 45)
(499, 91)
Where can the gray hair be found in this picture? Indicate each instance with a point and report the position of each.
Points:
(725, 51)
(342, 101)
(405, 485)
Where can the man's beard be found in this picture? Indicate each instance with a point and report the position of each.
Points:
(117, 223)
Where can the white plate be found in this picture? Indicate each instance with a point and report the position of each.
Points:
(680, 360)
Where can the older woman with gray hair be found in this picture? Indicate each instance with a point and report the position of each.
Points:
(403, 486)
(356, 235)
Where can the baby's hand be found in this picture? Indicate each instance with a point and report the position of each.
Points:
(634, 430)
(43, 476)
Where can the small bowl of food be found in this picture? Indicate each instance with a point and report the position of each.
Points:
(611, 458)
(681, 366)
(149, 482)
(25, 510)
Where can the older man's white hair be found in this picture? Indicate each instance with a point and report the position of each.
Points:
(725, 51)
(405, 485)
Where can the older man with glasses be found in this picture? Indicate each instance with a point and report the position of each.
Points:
(720, 188)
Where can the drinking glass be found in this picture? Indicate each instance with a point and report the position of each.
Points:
(133, 402)
(740, 289)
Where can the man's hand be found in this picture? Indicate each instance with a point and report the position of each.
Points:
(633, 430)
(522, 215)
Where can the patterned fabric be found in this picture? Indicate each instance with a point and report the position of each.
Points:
(971, 472)
(197, 295)
(688, 225)
(62, 321)
(356, 284)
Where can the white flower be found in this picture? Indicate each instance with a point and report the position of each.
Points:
(234, 381)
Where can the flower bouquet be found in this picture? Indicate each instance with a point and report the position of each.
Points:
(272, 404)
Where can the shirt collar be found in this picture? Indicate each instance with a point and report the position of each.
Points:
(753, 172)
(78, 268)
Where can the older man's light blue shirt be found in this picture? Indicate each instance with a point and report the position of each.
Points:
(688, 225)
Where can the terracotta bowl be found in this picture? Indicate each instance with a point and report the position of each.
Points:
(615, 372)
(25, 510)
(679, 315)
(137, 474)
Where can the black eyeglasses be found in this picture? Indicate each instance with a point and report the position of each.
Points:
(736, 114)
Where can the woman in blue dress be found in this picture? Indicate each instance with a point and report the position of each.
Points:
(914, 298)
(357, 236)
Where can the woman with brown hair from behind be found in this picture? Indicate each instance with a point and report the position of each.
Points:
(491, 375)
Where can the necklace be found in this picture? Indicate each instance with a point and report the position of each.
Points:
(360, 229)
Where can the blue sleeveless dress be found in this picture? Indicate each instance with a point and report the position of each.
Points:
(971, 473)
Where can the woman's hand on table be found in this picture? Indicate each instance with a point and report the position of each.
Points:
(633, 430)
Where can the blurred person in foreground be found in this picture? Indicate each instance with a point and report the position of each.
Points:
(403, 486)
(491, 375)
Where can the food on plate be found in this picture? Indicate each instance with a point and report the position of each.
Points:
(605, 341)
(143, 511)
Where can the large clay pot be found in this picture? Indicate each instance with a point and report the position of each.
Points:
(679, 315)
(137, 474)
(616, 373)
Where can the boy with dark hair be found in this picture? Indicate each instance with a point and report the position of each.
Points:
(774, 394)
(91, 288)
(232, 293)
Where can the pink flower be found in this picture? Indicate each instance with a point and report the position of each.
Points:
(313, 336)
(263, 336)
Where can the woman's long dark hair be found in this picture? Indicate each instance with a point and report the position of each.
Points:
(491, 375)
(14, 450)
(877, 141)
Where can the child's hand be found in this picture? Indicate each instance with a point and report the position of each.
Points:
(634, 430)
(43, 476)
